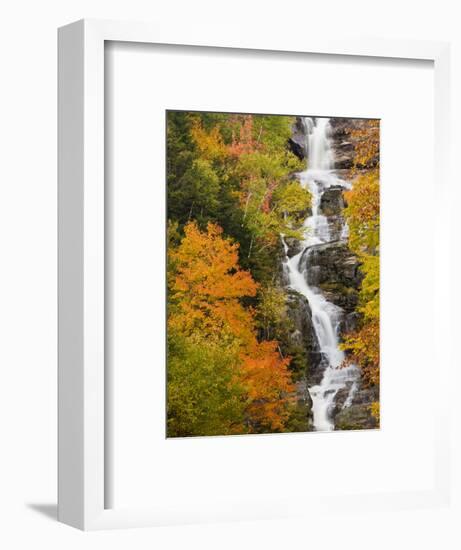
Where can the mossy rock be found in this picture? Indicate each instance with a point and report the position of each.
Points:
(343, 296)
(338, 288)
(355, 417)
(332, 201)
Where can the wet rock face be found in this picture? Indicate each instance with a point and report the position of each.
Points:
(334, 269)
(335, 227)
(317, 370)
(297, 139)
(341, 398)
(304, 347)
(282, 278)
(303, 336)
(331, 263)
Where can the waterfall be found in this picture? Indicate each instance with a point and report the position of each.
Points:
(317, 146)
(326, 316)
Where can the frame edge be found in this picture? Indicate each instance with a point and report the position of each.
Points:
(81, 404)
(71, 506)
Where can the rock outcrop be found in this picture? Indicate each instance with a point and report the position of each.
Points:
(332, 204)
(344, 142)
(303, 336)
(332, 201)
(332, 263)
(303, 348)
(297, 139)
(355, 417)
(334, 269)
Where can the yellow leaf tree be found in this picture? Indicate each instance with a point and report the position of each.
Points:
(362, 213)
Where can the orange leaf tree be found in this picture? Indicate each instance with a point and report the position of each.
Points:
(206, 293)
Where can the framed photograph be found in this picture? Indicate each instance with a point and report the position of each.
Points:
(243, 283)
(273, 273)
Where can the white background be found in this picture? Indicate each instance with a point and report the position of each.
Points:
(28, 276)
(207, 473)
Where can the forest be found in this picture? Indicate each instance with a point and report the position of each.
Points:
(241, 357)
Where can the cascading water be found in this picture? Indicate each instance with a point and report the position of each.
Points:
(326, 316)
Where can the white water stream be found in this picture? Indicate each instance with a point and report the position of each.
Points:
(325, 315)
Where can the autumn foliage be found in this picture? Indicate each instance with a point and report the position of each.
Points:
(210, 144)
(208, 285)
(268, 382)
(206, 311)
(362, 214)
(232, 364)
(229, 197)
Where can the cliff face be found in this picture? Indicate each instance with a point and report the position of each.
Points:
(297, 139)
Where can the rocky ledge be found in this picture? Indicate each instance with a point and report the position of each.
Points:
(331, 262)
(332, 204)
(355, 417)
(332, 201)
(358, 415)
(303, 340)
(297, 140)
(335, 271)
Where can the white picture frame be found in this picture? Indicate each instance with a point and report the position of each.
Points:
(82, 489)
